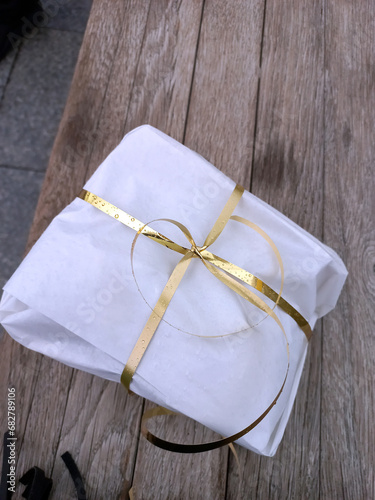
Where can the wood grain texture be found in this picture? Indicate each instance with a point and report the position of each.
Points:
(166, 52)
(43, 385)
(235, 31)
(20, 367)
(222, 110)
(348, 374)
(157, 90)
(280, 97)
(288, 174)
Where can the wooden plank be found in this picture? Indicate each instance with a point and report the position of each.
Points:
(100, 429)
(42, 385)
(223, 102)
(101, 425)
(164, 474)
(288, 174)
(158, 93)
(164, 83)
(228, 52)
(348, 374)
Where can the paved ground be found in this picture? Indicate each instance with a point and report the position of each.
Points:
(34, 85)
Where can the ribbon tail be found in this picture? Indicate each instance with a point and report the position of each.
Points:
(154, 319)
(202, 447)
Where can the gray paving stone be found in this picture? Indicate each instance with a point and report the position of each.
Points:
(5, 69)
(16, 214)
(35, 97)
(68, 15)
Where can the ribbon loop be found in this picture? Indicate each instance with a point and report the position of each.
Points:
(229, 274)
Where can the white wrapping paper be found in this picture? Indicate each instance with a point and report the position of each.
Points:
(75, 299)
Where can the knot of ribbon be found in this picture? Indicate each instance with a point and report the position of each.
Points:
(231, 275)
(198, 250)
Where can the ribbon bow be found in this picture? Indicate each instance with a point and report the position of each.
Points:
(228, 273)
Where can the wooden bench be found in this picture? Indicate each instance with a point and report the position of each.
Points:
(280, 96)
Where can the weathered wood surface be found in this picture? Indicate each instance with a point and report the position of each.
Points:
(280, 96)
(348, 378)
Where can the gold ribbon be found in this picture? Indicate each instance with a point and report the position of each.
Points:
(226, 272)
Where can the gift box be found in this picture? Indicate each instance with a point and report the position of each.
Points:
(90, 284)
